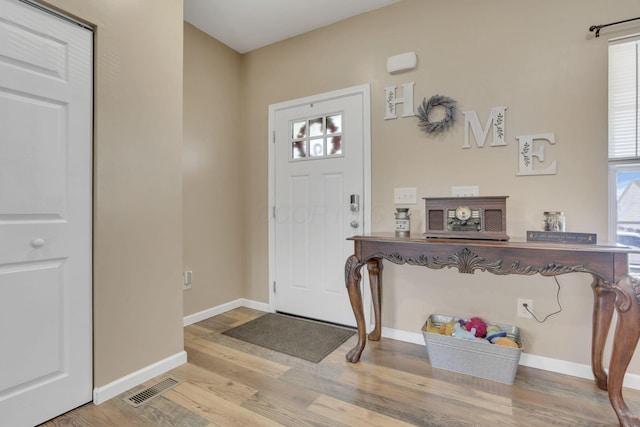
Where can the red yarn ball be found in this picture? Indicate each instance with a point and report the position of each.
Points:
(479, 324)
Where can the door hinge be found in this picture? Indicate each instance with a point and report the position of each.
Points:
(273, 138)
(274, 286)
(273, 212)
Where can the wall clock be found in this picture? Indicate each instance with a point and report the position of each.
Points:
(482, 217)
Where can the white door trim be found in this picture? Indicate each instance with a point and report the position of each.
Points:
(363, 90)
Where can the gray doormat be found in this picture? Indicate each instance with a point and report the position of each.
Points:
(305, 339)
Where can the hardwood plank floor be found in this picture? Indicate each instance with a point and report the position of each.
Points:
(227, 382)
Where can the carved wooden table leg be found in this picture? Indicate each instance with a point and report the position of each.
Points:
(624, 344)
(375, 281)
(603, 306)
(352, 278)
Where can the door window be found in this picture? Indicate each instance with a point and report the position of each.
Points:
(317, 137)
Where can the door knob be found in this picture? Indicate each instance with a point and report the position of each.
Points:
(37, 242)
(355, 224)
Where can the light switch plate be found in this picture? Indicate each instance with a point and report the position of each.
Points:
(405, 196)
(465, 191)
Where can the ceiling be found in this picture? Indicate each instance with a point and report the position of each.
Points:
(245, 25)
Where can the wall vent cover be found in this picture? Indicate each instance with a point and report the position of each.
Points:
(143, 396)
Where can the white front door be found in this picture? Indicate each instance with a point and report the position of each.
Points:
(45, 214)
(320, 145)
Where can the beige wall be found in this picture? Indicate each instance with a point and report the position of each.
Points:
(536, 58)
(484, 54)
(213, 172)
(137, 182)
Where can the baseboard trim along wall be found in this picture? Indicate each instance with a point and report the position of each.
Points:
(106, 392)
(214, 311)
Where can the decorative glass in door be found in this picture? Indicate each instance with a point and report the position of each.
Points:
(317, 137)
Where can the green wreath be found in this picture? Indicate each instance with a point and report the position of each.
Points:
(445, 102)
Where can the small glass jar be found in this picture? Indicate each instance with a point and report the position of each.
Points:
(403, 222)
(553, 221)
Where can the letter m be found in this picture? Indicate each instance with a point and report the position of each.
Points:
(497, 120)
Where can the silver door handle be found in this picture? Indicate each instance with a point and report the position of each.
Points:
(355, 224)
(37, 242)
(354, 201)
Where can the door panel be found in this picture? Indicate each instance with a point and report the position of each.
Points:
(319, 163)
(38, 296)
(45, 214)
(34, 156)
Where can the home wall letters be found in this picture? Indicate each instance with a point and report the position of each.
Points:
(496, 122)
(526, 153)
(392, 100)
(496, 118)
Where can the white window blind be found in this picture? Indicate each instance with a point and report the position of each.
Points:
(623, 100)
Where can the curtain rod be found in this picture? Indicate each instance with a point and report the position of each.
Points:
(597, 28)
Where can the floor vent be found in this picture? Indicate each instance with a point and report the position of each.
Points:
(150, 392)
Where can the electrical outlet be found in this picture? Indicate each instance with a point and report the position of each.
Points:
(188, 277)
(522, 311)
(466, 191)
(405, 196)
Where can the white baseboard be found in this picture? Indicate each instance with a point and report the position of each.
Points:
(564, 367)
(214, 311)
(397, 334)
(106, 392)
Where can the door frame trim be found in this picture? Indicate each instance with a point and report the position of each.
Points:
(365, 91)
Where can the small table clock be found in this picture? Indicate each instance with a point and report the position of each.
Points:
(482, 217)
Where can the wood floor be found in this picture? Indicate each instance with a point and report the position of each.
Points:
(227, 382)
